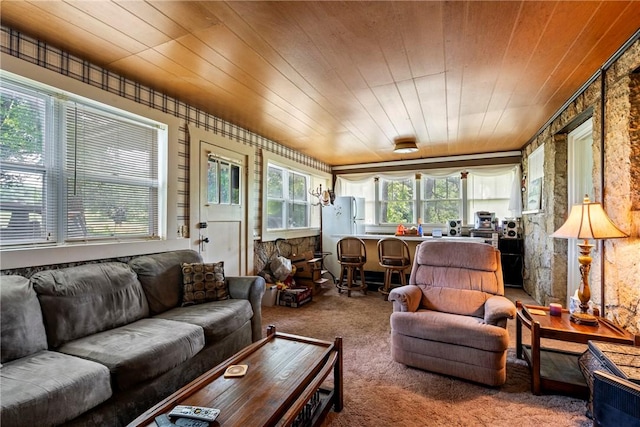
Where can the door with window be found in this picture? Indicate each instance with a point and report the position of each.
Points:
(219, 209)
(579, 183)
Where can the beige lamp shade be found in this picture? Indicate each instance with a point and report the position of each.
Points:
(588, 221)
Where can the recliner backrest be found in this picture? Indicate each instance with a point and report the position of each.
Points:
(457, 276)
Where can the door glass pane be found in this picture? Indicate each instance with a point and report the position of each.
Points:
(235, 185)
(213, 189)
(225, 196)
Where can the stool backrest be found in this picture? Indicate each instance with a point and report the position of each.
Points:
(352, 250)
(393, 251)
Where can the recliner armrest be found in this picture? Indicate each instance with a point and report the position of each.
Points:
(250, 288)
(497, 309)
(406, 298)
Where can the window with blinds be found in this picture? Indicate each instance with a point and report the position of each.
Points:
(74, 171)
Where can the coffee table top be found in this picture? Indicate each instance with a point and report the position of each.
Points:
(562, 328)
(282, 370)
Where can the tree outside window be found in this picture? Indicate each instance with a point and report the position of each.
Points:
(442, 199)
(397, 201)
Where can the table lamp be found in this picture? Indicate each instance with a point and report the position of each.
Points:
(587, 221)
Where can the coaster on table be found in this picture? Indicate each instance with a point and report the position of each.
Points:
(235, 371)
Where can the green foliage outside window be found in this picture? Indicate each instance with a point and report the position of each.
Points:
(397, 201)
(441, 199)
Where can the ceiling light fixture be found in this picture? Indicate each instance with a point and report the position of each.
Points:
(405, 145)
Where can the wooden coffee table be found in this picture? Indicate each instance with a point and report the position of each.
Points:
(287, 379)
(553, 369)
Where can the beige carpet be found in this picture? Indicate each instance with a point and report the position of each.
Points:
(380, 392)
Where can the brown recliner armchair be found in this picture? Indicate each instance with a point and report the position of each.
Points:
(451, 318)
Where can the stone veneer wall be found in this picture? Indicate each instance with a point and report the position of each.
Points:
(546, 258)
(266, 252)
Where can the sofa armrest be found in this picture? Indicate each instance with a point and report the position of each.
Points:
(497, 309)
(250, 288)
(616, 401)
(406, 298)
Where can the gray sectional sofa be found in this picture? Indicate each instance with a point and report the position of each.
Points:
(98, 344)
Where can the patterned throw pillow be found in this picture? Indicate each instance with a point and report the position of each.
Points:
(203, 283)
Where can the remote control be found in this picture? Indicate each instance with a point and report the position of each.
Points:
(190, 422)
(164, 421)
(195, 412)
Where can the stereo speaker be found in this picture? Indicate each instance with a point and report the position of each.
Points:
(455, 227)
(511, 228)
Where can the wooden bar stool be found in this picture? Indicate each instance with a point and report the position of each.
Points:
(394, 257)
(352, 255)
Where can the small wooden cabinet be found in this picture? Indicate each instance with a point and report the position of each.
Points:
(512, 257)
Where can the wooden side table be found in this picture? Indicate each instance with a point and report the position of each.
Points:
(558, 370)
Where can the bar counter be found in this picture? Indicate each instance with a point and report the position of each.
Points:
(371, 243)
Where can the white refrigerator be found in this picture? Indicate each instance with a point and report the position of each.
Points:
(345, 217)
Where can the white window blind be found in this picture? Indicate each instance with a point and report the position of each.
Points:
(111, 175)
(72, 170)
(27, 210)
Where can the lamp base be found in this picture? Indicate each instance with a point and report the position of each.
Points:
(584, 319)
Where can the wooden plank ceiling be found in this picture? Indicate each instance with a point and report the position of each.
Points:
(339, 81)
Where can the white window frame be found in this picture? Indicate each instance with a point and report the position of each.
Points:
(414, 201)
(168, 176)
(345, 185)
(422, 200)
(316, 178)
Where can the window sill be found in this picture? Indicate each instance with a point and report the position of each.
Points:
(34, 256)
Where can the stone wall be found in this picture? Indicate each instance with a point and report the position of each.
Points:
(546, 257)
(265, 252)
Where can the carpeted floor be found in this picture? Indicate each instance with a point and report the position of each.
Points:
(380, 392)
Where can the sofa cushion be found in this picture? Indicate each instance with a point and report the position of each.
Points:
(141, 350)
(20, 318)
(463, 331)
(218, 319)
(80, 301)
(49, 388)
(161, 277)
(203, 282)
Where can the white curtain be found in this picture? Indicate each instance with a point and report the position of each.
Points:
(515, 198)
(515, 201)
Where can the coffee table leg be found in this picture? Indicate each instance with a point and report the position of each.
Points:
(337, 378)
